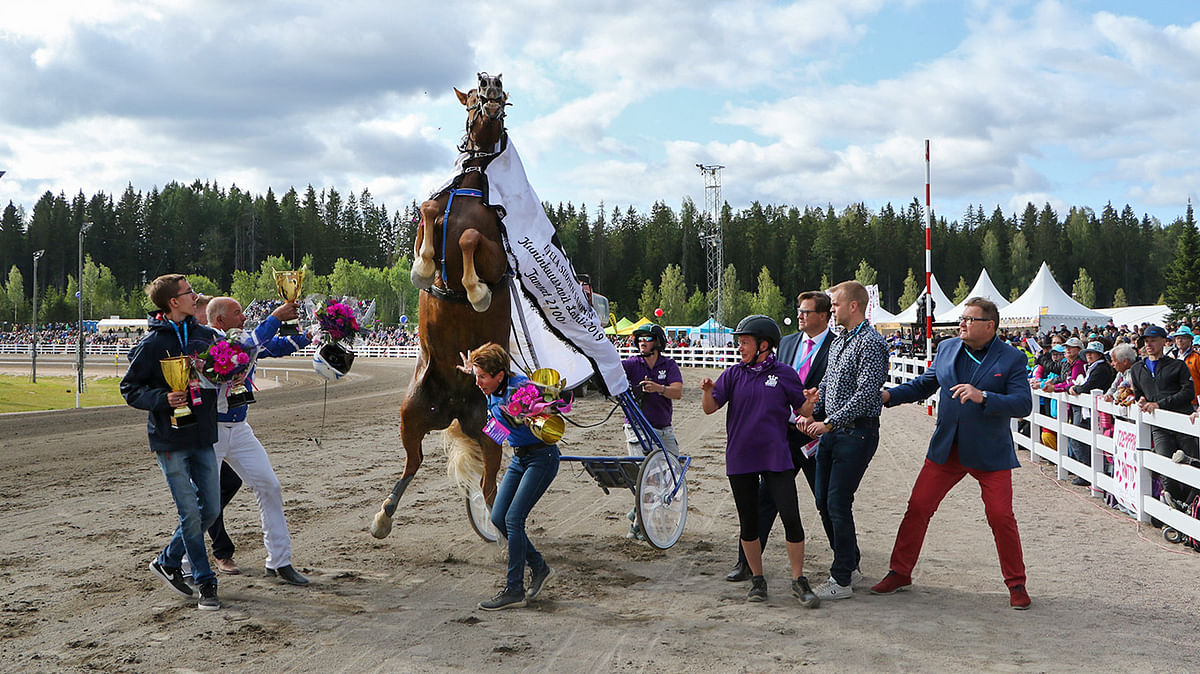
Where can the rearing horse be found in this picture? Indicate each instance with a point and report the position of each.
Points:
(461, 266)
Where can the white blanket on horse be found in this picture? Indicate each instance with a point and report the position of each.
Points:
(554, 325)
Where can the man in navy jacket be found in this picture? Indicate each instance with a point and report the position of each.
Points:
(983, 386)
(185, 454)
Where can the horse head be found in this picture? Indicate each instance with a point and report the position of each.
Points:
(485, 113)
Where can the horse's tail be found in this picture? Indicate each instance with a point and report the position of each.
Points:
(464, 457)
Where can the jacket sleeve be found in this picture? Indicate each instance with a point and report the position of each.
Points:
(1181, 398)
(920, 388)
(139, 387)
(1017, 399)
(913, 390)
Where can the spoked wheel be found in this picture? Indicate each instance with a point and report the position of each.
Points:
(480, 515)
(661, 520)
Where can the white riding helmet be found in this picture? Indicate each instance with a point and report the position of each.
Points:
(332, 362)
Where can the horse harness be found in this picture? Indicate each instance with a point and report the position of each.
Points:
(447, 293)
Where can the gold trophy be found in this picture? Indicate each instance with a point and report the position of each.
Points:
(549, 427)
(178, 372)
(289, 284)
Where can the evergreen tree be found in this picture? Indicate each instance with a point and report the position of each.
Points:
(1021, 260)
(648, 302)
(768, 300)
(912, 290)
(672, 297)
(1119, 298)
(1183, 275)
(865, 274)
(1084, 291)
(697, 308)
(960, 291)
(15, 290)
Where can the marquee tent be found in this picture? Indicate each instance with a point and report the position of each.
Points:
(942, 306)
(710, 333)
(1044, 304)
(1155, 314)
(983, 288)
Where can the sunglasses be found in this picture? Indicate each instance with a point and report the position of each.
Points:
(645, 339)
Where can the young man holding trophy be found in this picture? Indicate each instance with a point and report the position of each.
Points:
(182, 427)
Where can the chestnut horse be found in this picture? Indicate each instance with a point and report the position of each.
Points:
(461, 266)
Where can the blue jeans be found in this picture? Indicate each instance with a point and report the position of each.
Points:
(524, 483)
(842, 459)
(194, 480)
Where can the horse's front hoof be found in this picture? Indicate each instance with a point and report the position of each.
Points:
(422, 275)
(382, 525)
(481, 301)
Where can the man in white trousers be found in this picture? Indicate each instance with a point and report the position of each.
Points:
(236, 443)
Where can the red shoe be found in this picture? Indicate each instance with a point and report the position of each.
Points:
(1018, 598)
(891, 583)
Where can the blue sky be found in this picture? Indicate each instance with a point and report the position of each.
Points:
(818, 102)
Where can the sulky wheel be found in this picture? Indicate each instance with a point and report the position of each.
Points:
(661, 521)
(1172, 535)
(480, 515)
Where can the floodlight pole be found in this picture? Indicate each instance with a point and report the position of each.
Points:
(37, 255)
(83, 228)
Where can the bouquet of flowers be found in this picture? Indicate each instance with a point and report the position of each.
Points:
(226, 360)
(341, 320)
(538, 404)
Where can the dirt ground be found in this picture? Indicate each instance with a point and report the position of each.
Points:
(84, 509)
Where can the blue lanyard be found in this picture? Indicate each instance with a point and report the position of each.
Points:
(182, 340)
(815, 348)
(967, 350)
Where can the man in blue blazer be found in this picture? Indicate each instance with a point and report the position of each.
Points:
(983, 386)
(808, 352)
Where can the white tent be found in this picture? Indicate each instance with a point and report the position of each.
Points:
(942, 306)
(983, 288)
(1155, 314)
(1044, 304)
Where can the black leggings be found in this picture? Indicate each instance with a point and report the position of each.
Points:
(782, 486)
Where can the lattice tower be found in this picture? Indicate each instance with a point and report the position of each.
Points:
(711, 239)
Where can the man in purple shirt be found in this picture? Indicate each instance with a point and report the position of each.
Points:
(762, 393)
(656, 381)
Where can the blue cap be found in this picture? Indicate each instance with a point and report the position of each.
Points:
(1059, 348)
(1183, 331)
(1154, 331)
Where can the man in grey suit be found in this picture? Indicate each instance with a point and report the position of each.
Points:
(808, 352)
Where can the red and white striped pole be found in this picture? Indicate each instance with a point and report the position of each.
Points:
(928, 277)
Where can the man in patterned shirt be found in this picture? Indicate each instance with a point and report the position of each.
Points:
(849, 404)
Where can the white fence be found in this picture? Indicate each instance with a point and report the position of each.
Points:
(1145, 464)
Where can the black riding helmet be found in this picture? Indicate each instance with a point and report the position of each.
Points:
(761, 327)
(653, 330)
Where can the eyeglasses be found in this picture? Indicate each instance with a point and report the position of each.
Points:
(190, 291)
(971, 319)
(805, 312)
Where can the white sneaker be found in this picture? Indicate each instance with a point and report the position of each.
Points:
(856, 577)
(830, 590)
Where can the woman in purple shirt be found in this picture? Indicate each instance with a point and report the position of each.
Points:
(761, 393)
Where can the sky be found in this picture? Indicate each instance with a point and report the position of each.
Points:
(820, 102)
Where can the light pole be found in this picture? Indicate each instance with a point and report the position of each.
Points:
(83, 228)
(37, 255)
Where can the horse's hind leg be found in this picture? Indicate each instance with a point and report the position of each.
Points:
(423, 269)
(413, 428)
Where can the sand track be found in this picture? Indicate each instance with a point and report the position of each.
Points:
(84, 510)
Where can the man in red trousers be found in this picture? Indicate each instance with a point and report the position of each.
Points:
(983, 386)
